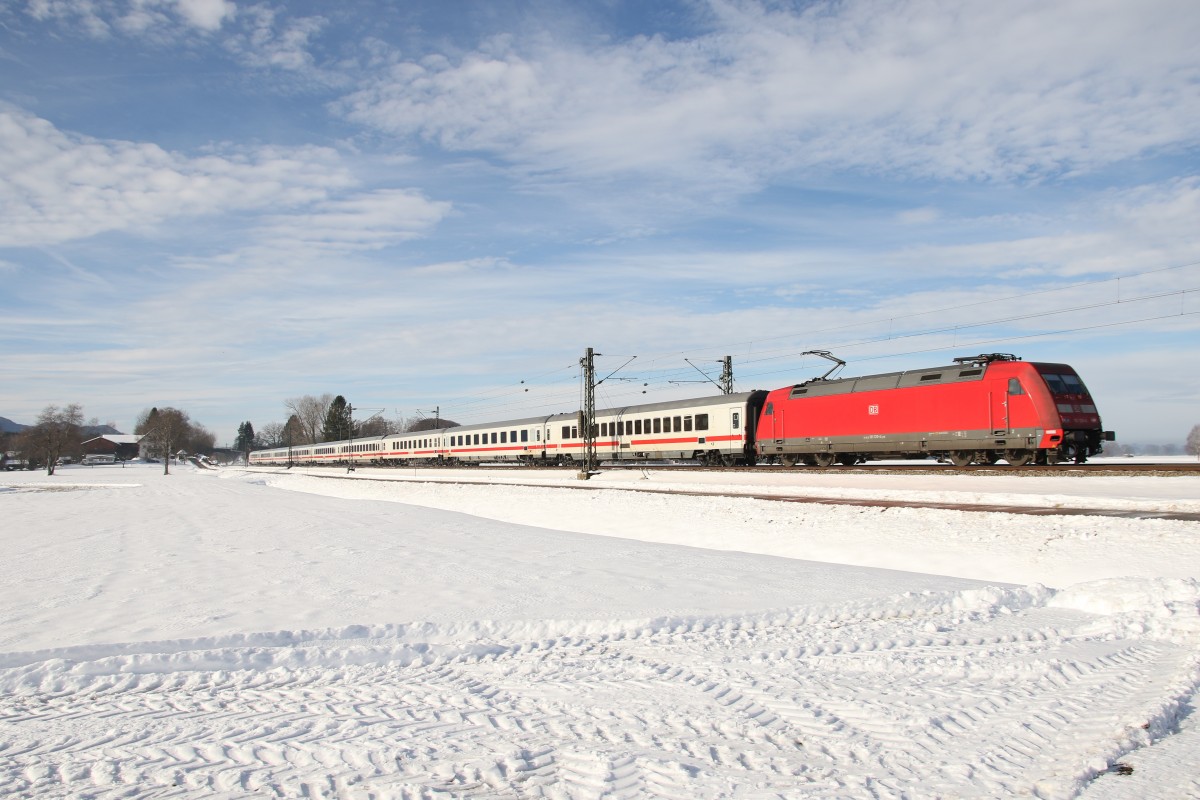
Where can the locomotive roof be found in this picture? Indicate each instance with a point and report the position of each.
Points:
(964, 370)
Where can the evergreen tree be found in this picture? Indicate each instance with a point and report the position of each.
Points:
(245, 437)
(293, 432)
(337, 421)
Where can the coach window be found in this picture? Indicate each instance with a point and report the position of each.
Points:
(566, 432)
(1014, 386)
(525, 435)
(657, 425)
(702, 422)
(493, 437)
(503, 437)
(687, 424)
(574, 432)
(678, 424)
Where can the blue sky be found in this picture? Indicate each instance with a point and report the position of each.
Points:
(220, 205)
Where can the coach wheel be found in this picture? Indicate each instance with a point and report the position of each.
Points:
(1018, 458)
(961, 458)
(823, 459)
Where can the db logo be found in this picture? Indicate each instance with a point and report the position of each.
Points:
(873, 410)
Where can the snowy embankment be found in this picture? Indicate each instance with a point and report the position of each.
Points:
(209, 634)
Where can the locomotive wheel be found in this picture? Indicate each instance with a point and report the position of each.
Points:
(823, 459)
(989, 458)
(961, 458)
(788, 460)
(847, 459)
(1018, 458)
(809, 461)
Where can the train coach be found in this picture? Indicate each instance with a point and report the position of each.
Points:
(980, 409)
(714, 430)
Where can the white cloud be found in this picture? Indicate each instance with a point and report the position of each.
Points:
(206, 14)
(942, 90)
(56, 186)
(268, 40)
(366, 221)
(97, 19)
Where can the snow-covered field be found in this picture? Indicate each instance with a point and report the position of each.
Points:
(379, 634)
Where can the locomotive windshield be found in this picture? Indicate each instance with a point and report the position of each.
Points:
(1064, 383)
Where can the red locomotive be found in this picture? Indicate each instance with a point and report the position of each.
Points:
(979, 409)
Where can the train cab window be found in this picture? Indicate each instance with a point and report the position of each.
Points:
(1074, 385)
(1014, 387)
(1055, 382)
(702, 422)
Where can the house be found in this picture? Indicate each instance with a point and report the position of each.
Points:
(123, 446)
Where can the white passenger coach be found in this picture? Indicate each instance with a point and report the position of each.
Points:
(713, 430)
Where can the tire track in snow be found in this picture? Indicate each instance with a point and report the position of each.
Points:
(944, 697)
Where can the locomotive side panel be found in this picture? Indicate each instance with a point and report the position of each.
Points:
(967, 412)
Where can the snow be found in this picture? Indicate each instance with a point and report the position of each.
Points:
(520, 633)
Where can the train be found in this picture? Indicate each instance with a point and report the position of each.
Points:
(977, 410)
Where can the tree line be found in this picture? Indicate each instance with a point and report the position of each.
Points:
(59, 433)
(325, 418)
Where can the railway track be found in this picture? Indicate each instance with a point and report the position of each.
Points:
(1081, 471)
(929, 468)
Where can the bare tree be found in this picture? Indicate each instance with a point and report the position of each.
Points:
(1193, 442)
(374, 426)
(56, 431)
(200, 439)
(270, 435)
(164, 430)
(310, 412)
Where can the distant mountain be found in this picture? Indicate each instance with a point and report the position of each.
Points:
(92, 431)
(88, 431)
